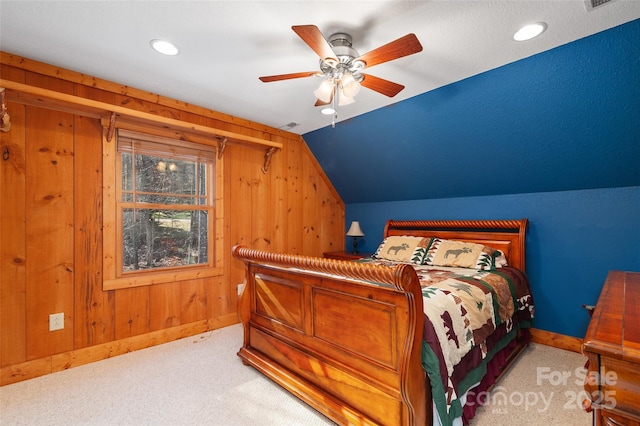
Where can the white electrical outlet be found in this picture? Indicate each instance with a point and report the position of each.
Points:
(56, 321)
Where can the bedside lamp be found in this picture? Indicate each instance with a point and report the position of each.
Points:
(355, 232)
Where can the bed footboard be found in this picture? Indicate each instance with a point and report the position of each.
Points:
(342, 336)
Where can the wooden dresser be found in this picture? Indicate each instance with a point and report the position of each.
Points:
(612, 345)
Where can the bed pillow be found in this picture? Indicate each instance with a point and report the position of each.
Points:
(403, 248)
(463, 254)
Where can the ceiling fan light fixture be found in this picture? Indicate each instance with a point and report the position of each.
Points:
(357, 66)
(328, 62)
(530, 31)
(164, 47)
(325, 91)
(343, 67)
(345, 100)
(350, 87)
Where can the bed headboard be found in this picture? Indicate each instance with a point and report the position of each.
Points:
(505, 235)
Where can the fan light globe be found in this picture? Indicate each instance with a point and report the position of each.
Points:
(325, 91)
(344, 99)
(350, 86)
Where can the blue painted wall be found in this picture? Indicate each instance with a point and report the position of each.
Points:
(554, 138)
(574, 239)
(565, 119)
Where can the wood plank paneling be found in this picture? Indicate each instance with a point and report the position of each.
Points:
(261, 195)
(49, 223)
(93, 307)
(238, 161)
(279, 200)
(49, 230)
(295, 211)
(12, 236)
(312, 212)
(219, 298)
(54, 236)
(132, 312)
(193, 298)
(164, 306)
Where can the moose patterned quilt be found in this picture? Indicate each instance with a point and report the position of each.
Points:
(470, 315)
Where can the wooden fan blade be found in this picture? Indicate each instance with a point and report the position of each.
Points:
(311, 35)
(320, 103)
(404, 46)
(380, 85)
(271, 78)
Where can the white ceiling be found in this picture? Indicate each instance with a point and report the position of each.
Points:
(226, 45)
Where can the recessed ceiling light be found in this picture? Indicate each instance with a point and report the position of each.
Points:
(530, 31)
(328, 111)
(164, 47)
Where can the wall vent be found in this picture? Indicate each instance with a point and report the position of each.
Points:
(594, 4)
(291, 125)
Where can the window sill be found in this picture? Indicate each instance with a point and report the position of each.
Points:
(151, 278)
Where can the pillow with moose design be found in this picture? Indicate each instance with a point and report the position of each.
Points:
(403, 248)
(463, 254)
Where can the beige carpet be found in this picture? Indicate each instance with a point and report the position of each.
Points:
(543, 387)
(199, 380)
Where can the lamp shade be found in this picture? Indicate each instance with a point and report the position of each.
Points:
(350, 86)
(343, 99)
(325, 91)
(354, 230)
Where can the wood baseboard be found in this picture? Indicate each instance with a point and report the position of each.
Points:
(560, 341)
(63, 361)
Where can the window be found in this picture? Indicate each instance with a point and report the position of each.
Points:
(164, 210)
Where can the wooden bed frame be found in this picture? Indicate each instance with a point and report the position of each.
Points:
(346, 337)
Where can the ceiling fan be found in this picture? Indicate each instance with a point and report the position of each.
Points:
(343, 67)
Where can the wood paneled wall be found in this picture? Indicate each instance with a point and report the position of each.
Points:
(51, 228)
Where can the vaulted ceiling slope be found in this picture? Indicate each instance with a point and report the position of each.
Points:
(480, 115)
(226, 45)
(564, 119)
